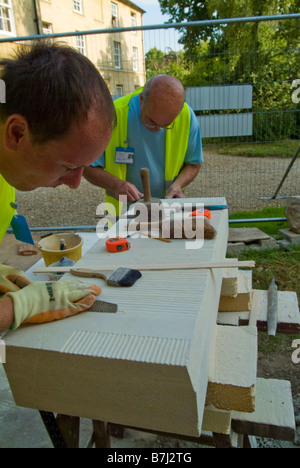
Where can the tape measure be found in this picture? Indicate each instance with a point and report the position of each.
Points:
(117, 244)
(205, 213)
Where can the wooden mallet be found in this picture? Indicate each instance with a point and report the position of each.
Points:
(155, 209)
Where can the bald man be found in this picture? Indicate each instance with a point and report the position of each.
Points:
(155, 129)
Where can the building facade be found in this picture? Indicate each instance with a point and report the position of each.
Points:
(119, 56)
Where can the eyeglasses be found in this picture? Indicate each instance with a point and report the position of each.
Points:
(153, 127)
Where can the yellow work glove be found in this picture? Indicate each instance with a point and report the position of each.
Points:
(43, 302)
(12, 279)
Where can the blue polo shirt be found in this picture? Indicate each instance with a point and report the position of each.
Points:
(149, 150)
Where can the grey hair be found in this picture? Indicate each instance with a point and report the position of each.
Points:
(146, 90)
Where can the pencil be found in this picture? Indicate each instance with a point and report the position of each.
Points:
(155, 237)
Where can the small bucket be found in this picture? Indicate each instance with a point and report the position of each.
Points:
(57, 246)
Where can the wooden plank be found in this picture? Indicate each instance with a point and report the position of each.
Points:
(69, 428)
(156, 267)
(152, 358)
(274, 413)
(247, 235)
(101, 434)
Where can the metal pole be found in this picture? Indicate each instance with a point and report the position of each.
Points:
(251, 19)
(60, 228)
(257, 220)
(286, 172)
(93, 228)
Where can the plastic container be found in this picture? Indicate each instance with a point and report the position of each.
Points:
(53, 249)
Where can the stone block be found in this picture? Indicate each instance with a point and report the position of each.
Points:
(290, 236)
(292, 213)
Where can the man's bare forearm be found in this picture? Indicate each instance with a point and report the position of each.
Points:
(7, 316)
(188, 174)
(101, 178)
(185, 177)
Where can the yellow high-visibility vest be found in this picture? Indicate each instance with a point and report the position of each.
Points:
(176, 147)
(7, 196)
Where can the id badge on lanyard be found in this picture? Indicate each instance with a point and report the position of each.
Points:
(124, 155)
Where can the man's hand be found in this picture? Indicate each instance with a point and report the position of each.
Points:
(186, 176)
(12, 279)
(175, 191)
(43, 302)
(130, 190)
(98, 176)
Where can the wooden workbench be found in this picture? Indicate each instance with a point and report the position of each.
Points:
(146, 365)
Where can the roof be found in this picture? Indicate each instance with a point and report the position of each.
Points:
(133, 5)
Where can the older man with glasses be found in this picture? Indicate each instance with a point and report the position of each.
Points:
(155, 129)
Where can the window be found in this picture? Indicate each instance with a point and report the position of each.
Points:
(133, 19)
(119, 90)
(114, 15)
(135, 59)
(47, 28)
(117, 54)
(6, 17)
(77, 6)
(81, 45)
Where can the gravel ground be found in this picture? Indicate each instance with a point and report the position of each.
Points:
(243, 181)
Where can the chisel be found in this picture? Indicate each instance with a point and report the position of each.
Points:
(272, 316)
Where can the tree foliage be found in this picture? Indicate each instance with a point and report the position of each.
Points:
(170, 63)
(195, 10)
(265, 54)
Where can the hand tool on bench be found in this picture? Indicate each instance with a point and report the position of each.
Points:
(103, 306)
(121, 277)
(272, 315)
(155, 209)
(200, 212)
(152, 236)
(117, 244)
